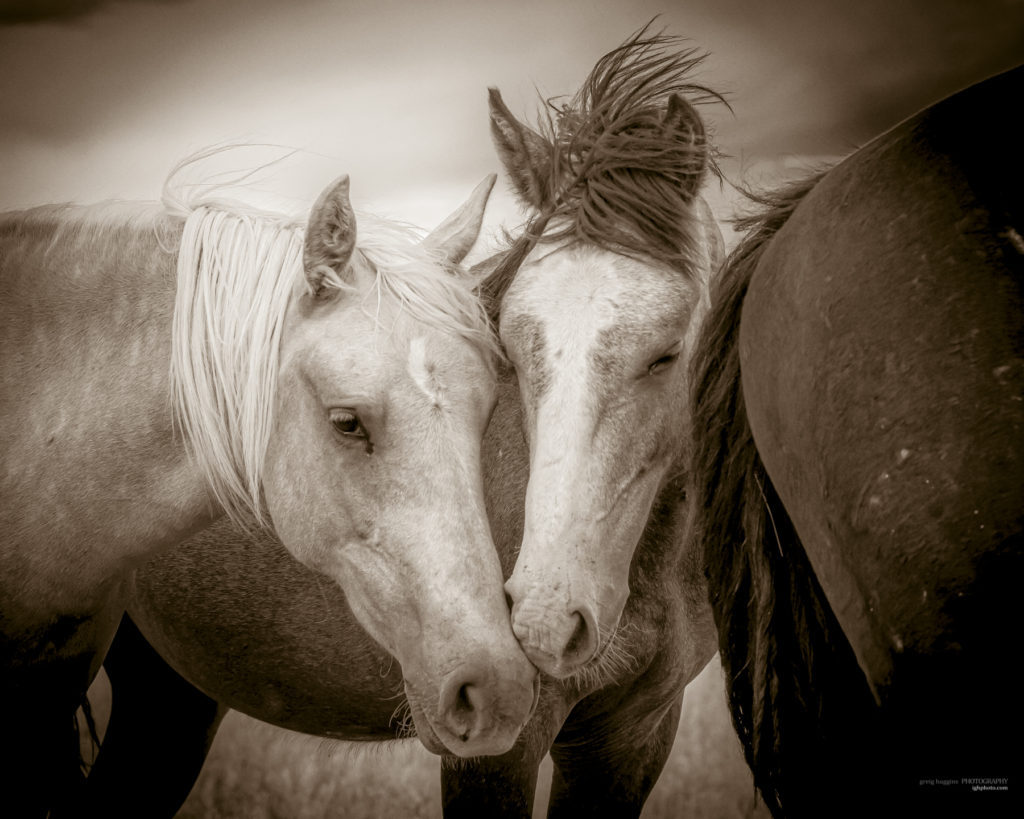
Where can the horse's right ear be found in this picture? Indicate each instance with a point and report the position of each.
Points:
(524, 153)
(330, 236)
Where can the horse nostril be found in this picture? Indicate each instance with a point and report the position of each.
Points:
(579, 636)
(463, 707)
(463, 704)
(582, 643)
(509, 602)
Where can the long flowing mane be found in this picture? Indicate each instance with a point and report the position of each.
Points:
(615, 176)
(238, 269)
(794, 686)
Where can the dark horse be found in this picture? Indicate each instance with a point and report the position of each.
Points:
(599, 304)
(859, 477)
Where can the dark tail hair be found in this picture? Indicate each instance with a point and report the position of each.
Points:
(70, 766)
(793, 683)
(90, 730)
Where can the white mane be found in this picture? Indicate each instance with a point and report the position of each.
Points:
(237, 271)
(235, 277)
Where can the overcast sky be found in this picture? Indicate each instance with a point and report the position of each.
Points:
(99, 98)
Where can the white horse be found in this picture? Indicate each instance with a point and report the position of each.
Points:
(337, 389)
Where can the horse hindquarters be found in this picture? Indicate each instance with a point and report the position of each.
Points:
(142, 769)
(883, 380)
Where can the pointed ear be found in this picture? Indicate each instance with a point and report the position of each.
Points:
(525, 154)
(458, 233)
(684, 123)
(330, 235)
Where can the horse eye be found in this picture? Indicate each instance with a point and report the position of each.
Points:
(348, 424)
(662, 363)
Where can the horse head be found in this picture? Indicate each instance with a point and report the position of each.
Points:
(373, 474)
(599, 320)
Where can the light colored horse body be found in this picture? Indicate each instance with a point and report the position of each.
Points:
(343, 396)
(86, 489)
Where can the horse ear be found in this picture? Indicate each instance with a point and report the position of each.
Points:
(524, 153)
(330, 235)
(684, 123)
(458, 233)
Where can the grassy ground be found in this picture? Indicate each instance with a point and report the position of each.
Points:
(257, 771)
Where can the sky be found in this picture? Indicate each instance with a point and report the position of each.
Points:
(100, 98)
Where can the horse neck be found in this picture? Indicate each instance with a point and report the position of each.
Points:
(86, 313)
(82, 267)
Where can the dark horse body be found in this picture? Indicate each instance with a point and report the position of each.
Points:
(860, 383)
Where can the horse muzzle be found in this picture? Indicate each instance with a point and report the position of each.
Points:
(481, 709)
(558, 639)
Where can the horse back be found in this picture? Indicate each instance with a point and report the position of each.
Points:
(882, 356)
(77, 284)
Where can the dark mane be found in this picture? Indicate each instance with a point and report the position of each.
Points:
(496, 273)
(794, 686)
(617, 177)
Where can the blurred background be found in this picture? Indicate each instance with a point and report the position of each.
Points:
(100, 98)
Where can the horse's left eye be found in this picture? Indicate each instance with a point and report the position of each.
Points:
(662, 363)
(347, 423)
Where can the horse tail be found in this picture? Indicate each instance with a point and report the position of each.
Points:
(794, 687)
(86, 728)
(71, 764)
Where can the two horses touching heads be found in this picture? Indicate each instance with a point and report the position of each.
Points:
(341, 390)
(678, 460)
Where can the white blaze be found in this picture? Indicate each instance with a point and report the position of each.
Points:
(422, 371)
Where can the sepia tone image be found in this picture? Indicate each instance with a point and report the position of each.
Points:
(518, 409)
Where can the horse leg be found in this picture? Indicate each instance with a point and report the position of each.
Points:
(608, 766)
(496, 786)
(503, 786)
(40, 765)
(141, 769)
(47, 671)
